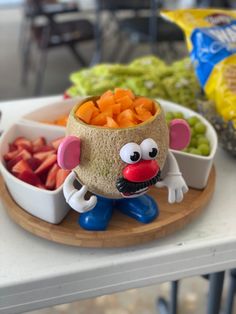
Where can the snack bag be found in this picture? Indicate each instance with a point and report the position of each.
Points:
(211, 40)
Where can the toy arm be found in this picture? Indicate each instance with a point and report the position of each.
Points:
(76, 198)
(173, 181)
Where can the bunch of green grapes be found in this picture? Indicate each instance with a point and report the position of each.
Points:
(199, 143)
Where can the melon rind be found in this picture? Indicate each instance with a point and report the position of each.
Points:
(100, 163)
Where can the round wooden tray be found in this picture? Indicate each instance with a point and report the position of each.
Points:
(123, 231)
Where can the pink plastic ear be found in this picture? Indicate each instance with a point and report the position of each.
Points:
(180, 134)
(68, 155)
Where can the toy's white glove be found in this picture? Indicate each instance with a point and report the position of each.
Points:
(76, 198)
(173, 181)
(176, 186)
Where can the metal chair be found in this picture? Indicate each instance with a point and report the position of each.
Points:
(216, 281)
(231, 293)
(52, 34)
(143, 26)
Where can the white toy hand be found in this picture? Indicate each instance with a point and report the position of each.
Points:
(76, 198)
(176, 187)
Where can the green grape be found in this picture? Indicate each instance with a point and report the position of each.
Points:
(178, 115)
(200, 128)
(199, 144)
(193, 142)
(204, 149)
(193, 132)
(192, 121)
(202, 140)
(169, 115)
(195, 151)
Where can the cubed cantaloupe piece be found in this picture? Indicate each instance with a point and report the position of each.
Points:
(120, 92)
(85, 111)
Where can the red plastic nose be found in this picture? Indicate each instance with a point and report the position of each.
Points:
(143, 170)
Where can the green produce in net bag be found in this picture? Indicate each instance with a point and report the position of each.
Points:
(148, 76)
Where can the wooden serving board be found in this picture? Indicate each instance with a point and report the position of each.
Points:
(123, 231)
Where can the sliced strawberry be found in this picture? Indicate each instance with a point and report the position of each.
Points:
(33, 163)
(44, 148)
(41, 186)
(25, 154)
(46, 164)
(61, 176)
(10, 155)
(57, 142)
(38, 142)
(43, 176)
(66, 95)
(29, 177)
(22, 142)
(12, 147)
(51, 177)
(11, 163)
(43, 155)
(20, 167)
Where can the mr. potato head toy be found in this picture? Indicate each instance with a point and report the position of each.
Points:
(118, 166)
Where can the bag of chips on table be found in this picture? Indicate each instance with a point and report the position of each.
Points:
(211, 40)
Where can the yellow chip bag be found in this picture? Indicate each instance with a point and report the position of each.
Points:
(211, 40)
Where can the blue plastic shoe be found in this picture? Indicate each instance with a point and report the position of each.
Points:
(98, 218)
(143, 208)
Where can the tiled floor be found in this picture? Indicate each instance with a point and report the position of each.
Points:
(193, 291)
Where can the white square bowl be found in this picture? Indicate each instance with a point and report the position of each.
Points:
(51, 112)
(47, 205)
(195, 169)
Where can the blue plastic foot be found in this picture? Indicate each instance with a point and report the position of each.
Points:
(98, 218)
(142, 208)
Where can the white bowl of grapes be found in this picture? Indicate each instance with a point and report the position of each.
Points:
(196, 160)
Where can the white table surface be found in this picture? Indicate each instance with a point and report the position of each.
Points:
(36, 273)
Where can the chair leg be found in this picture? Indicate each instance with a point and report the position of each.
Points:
(97, 56)
(231, 293)
(125, 51)
(113, 55)
(40, 73)
(216, 281)
(153, 26)
(77, 55)
(22, 31)
(25, 61)
(171, 307)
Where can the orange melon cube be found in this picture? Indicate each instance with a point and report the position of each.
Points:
(121, 92)
(116, 109)
(106, 102)
(143, 115)
(85, 111)
(96, 112)
(101, 118)
(145, 103)
(62, 120)
(127, 114)
(107, 93)
(111, 123)
(49, 122)
(126, 123)
(126, 103)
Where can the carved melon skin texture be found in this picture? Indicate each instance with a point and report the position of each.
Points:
(100, 163)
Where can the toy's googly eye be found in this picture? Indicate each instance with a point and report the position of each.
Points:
(130, 153)
(149, 149)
